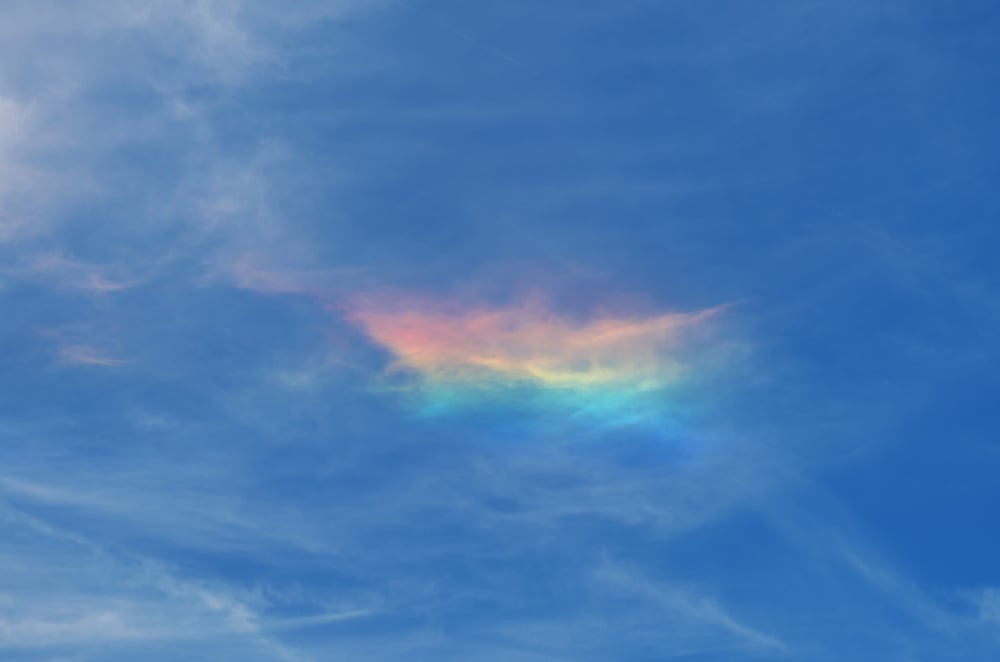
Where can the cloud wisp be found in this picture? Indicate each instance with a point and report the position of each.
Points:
(616, 369)
(87, 355)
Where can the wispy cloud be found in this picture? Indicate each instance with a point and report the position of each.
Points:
(987, 601)
(606, 364)
(250, 271)
(694, 610)
(189, 472)
(69, 273)
(87, 355)
(118, 599)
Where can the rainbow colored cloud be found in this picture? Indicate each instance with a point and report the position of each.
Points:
(608, 368)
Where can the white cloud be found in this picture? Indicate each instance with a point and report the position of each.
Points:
(55, 133)
(988, 602)
(689, 608)
(63, 590)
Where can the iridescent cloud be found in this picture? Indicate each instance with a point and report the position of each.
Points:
(617, 368)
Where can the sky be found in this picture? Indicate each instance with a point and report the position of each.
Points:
(433, 330)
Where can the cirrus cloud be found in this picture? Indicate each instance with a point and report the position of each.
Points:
(617, 368)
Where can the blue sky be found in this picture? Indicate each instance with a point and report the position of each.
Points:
(512, 331)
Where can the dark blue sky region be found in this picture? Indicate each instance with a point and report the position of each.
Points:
(353, 330)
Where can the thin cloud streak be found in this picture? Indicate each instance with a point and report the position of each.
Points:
(88, 355)
(69, 273)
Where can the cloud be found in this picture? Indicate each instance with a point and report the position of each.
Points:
(237, 495)
(70, 592)
(24, 182)
(249, 275)
(90, 624)
(609, 364)
(988, 603)
(70, 273)
(61, 137)
(692, 609)
(87, 355)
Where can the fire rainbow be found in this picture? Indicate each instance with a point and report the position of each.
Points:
(613, 369)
